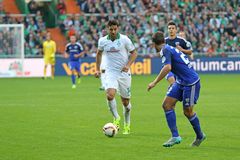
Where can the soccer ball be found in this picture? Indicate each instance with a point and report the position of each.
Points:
(110, 130)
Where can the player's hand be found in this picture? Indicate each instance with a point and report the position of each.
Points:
(65, 55)
(151, 85)
(125, 69)
(97, 74)
(179, 48)
(76, 55)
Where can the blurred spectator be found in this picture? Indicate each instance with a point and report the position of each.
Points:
(71, 31)
(61, 7)
(33, 7)
(1, 8)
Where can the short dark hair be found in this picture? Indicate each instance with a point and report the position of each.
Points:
(171, 23)
(158, 38)
(113, 22)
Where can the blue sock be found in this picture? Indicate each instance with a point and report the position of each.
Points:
(171, 120)
(73, 79)
(196, 126)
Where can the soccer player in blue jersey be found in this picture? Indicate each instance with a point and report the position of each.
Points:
(74, 51)
(176, 41)
(185, 89)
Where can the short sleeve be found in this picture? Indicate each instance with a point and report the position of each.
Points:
(186, 45)
(100, 44)
(80, 47)
(189, 45)
(67, 49)
(129, 45)
(167, 56)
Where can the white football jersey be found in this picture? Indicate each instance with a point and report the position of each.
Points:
(116, 52)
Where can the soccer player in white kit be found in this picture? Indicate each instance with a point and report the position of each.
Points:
(120, 54)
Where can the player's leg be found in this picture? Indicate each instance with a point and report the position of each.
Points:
(46, 61)
(45, 71)
(78, 72)
(190, 97)
(126, 112)
(111, 89)
(52, 67)
(52, 71)
(112, 104)
(73, 77)
(125, 92)
(174, 94)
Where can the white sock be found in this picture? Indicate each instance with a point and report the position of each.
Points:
(113, 108)
(126, 112)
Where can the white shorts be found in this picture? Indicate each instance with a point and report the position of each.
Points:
(102, 67)
(103, 63)
(120, 81)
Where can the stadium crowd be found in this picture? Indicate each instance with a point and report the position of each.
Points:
(212, 27)
(34, 32)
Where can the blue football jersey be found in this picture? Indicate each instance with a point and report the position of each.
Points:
(181, 66)
(179, 41)
(73, 49)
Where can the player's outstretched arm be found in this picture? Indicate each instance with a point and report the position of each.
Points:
(80, 54)
(164, 71)
(54, 47)
(65, 55)
(185, 51)
(132, 58)
(98, 63)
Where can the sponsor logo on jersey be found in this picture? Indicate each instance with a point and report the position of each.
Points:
(113, 49)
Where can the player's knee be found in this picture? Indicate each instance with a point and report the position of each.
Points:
(167, 106)
(110, 96)
(188, 113)
(125, 103)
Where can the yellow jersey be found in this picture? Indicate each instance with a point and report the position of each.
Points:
(49, 48)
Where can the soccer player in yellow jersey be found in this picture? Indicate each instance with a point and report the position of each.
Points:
(49, 50)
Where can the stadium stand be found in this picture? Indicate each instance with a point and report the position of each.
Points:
(212, 27)
(34, 32)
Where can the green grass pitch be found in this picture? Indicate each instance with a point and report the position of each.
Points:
(48, 120)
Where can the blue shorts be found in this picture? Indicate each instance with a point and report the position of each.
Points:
(170, 74)
(74, 65)
(188, 94)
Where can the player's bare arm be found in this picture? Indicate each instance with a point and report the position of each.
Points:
(132, 58)
(66, 55)
(80, 54)
(185, 51)
(164, 71)
(98, 63)
(54, 48)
